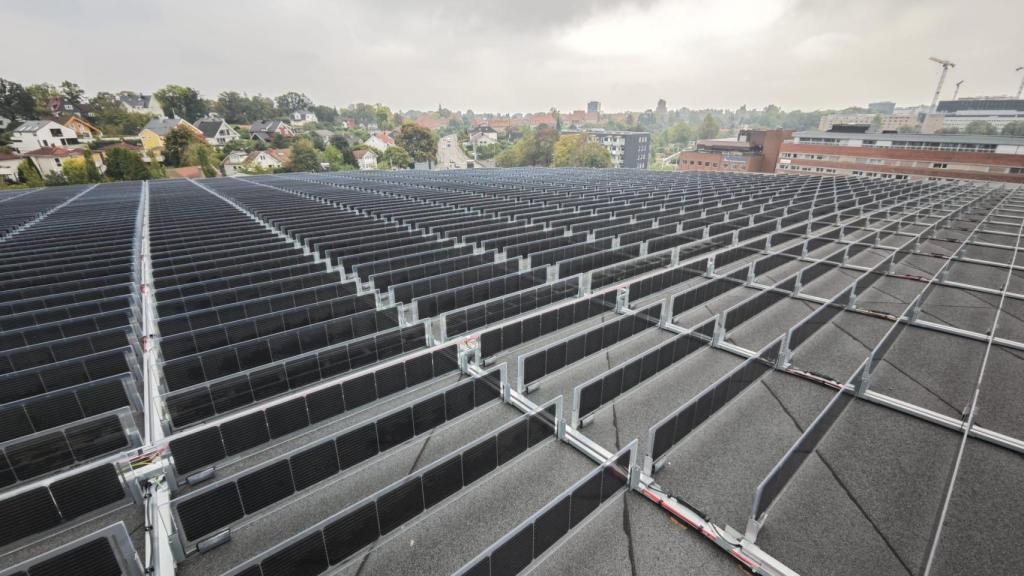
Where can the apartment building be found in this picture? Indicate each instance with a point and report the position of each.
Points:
(905, 156)
(627, 149)
(750, 151)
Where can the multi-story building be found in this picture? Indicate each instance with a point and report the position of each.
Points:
(888, 122)
(594, 107)
(959, 113)
(829, 120)
(882, 107)
(750, 151)
(905, 156)
(627, 149)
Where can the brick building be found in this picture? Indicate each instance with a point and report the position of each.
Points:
(905, 156)
(750, 151)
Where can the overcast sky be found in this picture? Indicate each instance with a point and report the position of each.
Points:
(524, 55)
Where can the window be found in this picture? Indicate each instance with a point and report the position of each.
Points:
(939, 165)
(1016, 170)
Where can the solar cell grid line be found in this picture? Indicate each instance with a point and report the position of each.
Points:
(374, 519)
(203, 446)
(62, 500)
(770, 487)
(539, 535)
(354, 447)
(195, 402)
(105, 552)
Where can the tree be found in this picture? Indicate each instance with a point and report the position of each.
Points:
(41, 95)
(113, 119)
(233, 107)
(980, 127)
(29, 174)
(335, 158)
(1015, 128)
(176, 142)
(383, 115)
(341, 144)
(950, 130)
(535, 148)
(325, 114)
(578, 150)
(199, 153)
(71, 93)
(292, 102)
(15, 101)
(91, 170)
(419, 142)
(181, 101)
(74, 171)
(125, 165)
(708, 128)
(395, 157)
(303, 157)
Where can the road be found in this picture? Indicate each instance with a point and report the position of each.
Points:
(451, 155)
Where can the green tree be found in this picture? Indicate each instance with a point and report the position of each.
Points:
(325, 114)
(55, 179)
(91, 170)
(341, 143)
(74, 171)
(233, 107)
(41, 94)
(113, 119)
(15, 101)
(950, 130)
(292, 102)
(395, 157)
(199, 153)
(383, 116)
(535, 148)
(29, 174)
(71, 93)
(176, 142)
(980, 127)
(419, 142)
(1015, 128)
(578, 150)
(303, 157)
(335, 158)
(181, 101)
(709, 127)
(126, 165)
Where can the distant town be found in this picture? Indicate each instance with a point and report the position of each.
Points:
(57, 134)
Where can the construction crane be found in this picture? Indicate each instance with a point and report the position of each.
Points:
(957, 90)
(1021, 87)
(946, 65)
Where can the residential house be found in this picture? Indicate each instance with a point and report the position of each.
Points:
(192, 172)
(380, 141)
(483, 136)
(262, 160)
(264, 130)
(156, 129)
(301, 117)
(216, 131)
(431, 122)
(141, 103)
(35, 134)
(86, 131)
(50, 159)
(324, 135)
(9, 167)
(105, 150)
(367, 159)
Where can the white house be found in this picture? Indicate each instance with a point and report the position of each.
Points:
(264, 160)
(36, 134)
(380, 141)
(264, 130)
(367, 159)
(216, 131)
(50, 159)
(483, 135)
(9, 167)
(300, 117)
(141, 103)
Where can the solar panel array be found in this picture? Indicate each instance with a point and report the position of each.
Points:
(303, 366)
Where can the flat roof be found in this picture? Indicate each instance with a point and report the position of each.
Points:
(915, 137)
